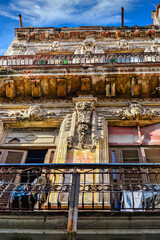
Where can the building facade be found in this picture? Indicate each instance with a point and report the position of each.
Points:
(80, 119)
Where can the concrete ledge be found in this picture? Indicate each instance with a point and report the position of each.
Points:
(90, 226)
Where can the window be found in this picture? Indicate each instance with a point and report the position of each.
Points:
(127, 155)
(135, 145)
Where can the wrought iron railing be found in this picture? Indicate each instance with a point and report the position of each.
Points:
(50, 187)
(79, 59)
(111, 188)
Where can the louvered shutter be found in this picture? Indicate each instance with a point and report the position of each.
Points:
(131, 156)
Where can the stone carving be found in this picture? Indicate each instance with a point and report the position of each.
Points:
(95, 141)
(100, 123)
(19, 46)
(123, 44)
(89, 46)
(67, 123)
(34, 113)
(136, 111)
(84, 110)
(151, 48)
(70, 142)
(156, 41)
(56, 46)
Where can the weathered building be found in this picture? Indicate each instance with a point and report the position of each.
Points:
(80, 118)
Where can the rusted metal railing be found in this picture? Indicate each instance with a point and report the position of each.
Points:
(79, 59)
(101, 186)
(45, 188)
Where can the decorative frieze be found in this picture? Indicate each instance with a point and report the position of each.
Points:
(136, 111)
(34, 113)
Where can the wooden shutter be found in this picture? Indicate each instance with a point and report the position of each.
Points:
(131, 156)
(14, 156)
(128, 155)
(49, 156)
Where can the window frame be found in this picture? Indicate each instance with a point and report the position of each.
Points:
(48, 156)
(5, 152)
(119, 157)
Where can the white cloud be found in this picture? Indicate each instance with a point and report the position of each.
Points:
(7, 14)
(75, 12)
(2, 51)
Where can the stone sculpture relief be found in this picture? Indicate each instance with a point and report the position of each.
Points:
(136, 111)
(89, 46)
(70, 142)
(123, 44)
(34, 113)
(84, 110)
(95, 141)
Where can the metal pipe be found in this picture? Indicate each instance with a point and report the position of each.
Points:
(20, 21)
(122, 17)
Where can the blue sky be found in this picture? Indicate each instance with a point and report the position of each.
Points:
(59, 13)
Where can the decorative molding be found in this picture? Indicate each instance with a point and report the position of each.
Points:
(84, 110)
(100, 122)
(136, 111)
(67, 124)
(95, 141)
(34, 113)
(70, 142)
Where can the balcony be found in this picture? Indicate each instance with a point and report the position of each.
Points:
(116, 190)
(50, 187)
(82, 59)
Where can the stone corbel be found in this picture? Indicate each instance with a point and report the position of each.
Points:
(61, 87)
(135, 86)
(85, 85)
(10, 89)
(110, 87)
(36, 88)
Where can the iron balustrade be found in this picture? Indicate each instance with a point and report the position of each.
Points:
(79, 59)
(50, 187)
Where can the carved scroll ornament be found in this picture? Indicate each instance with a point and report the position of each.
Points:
(34, 113)
(136, 111)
